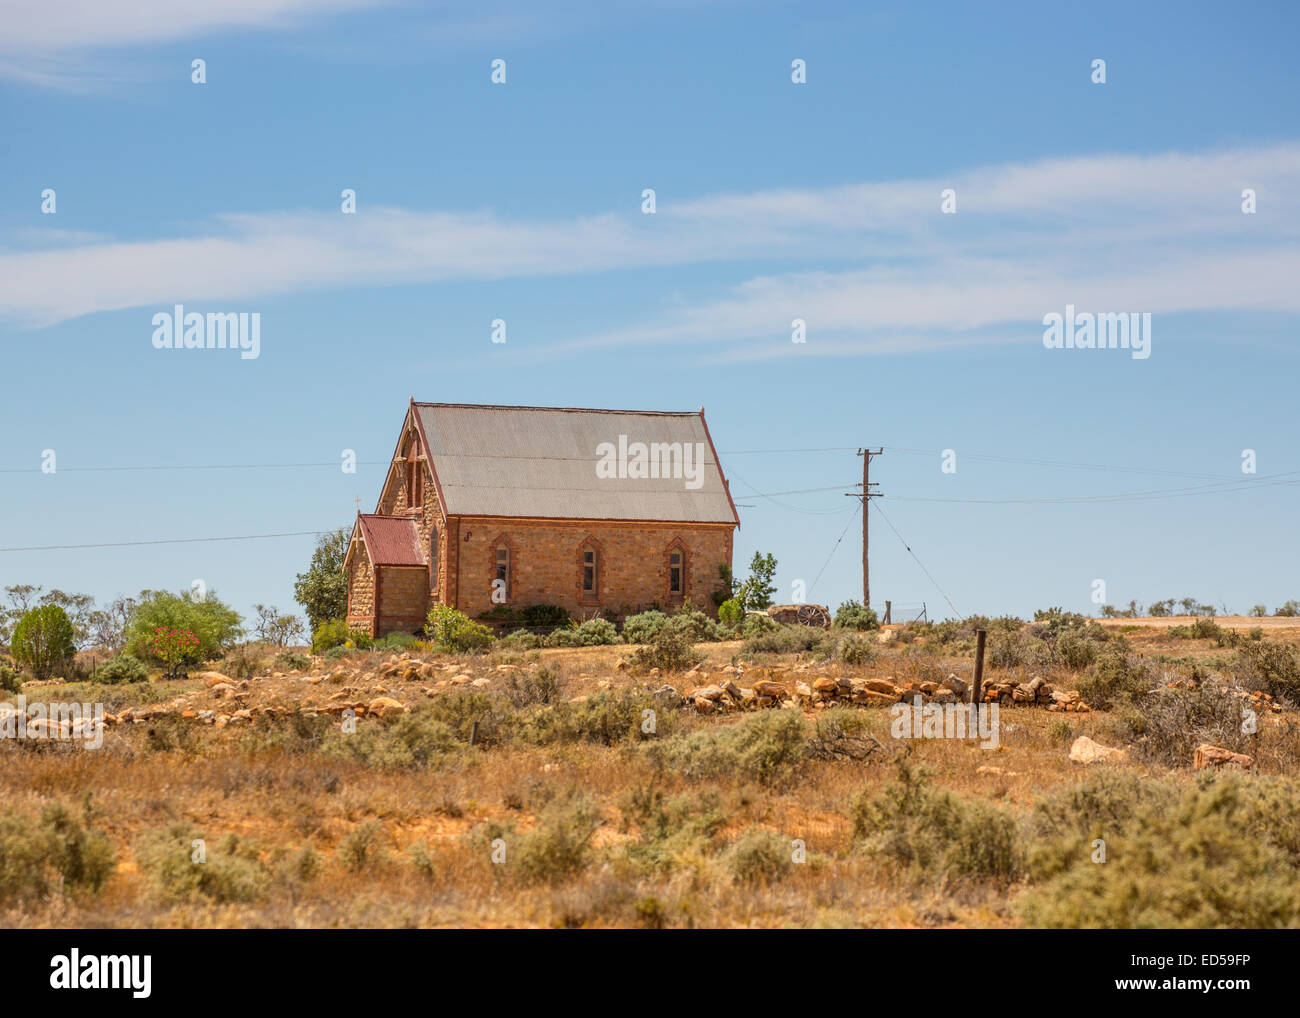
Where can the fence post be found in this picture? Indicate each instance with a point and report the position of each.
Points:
(977, 687)
(888, 609)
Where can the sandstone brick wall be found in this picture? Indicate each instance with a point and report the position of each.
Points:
(403, 600)
(546, 563)
(361, 593)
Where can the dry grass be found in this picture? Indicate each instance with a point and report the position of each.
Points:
(594, 834)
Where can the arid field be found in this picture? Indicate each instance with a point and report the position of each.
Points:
(569, 787)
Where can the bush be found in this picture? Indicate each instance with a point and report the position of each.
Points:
(529, 688)
(1222, 854)
(596, 632)
(644, 627)
(216, 625)
(416, 740)
(520, 640)
(58, 850)
(335, 633)
(1117, 677)
(852, 615)
(560, 845)
(123, 668)
(542, 615)
(1076, 651)
(231, 870)
(43, 640)
(759, 856)
(731, 612)
(361, 847)
(669, 651)
(856, 649)
(1271, 666)
(10, 680)
(608, 718)
(1172, 722)
(930, 833)
(756, 625)
(766, 748)
(455, 632)
(790, 640)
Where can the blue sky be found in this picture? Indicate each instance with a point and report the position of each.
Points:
(774, 201)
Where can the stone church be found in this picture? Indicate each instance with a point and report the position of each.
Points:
(598, 511)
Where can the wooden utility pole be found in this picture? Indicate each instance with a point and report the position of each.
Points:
(865, 494)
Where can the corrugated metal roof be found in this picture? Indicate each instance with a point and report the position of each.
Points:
(391, 540)
(542, 462)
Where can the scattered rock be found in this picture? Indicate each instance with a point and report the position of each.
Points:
(382, 706)
(1217, 756)
(1085, 751)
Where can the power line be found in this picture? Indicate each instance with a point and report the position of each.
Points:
(834, 546)
(174, 540)
(955, 612)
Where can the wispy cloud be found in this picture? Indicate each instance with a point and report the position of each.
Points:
(872, 266)
(49, 43)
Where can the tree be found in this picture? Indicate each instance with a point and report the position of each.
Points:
(757, 590)
(323, 589)
(1289, 610)
(1161, 609)
(275, 627)
(43, 639)
(215, 623)
(1259, 611)
(108, 625)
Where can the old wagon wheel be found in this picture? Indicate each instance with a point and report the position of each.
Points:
(814, 615)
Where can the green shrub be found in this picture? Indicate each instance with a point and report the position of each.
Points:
(231, 870)
(56, 850)
(644, 627)
(766, 748)
(215, 623)
(455, 632)
(10, 680)
(335, 633)
(930, 833)
(759, 856)
(123, 668)
(856, 649)
(362, 847)
(1117, 677)
(608, 718)
(559, 847)
(757, 625)
(416, 740)
(43, 640)
(520, 640)
(541, 615)
(1076, 650)
(790, 640)
(731, 612)
(669, 651)
(853, 615)
(528, 688)
(293, 662)
(596, 632)
(1223, 854)
(1271, 666)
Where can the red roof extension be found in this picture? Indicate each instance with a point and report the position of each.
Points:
(391, 540)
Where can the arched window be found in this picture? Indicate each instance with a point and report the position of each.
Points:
(502, 570)
(676, 562)
(414, 477)
(590, 565)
